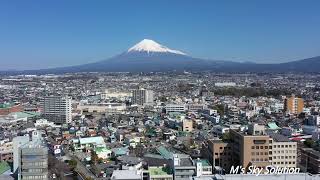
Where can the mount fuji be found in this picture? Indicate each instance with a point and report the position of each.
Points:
(150, 56)
(145, 56)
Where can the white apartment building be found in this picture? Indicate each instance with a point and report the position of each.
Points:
(142, 97)
(57, 109)
(175, 108)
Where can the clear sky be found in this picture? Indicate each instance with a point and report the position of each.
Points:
(46, 33)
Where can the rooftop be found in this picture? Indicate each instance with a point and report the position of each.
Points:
(125, 174)
(279, 137)
(4, 166)
(92, 140)
(101, 149)
(159, 171)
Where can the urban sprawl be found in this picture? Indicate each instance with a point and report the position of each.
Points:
(160, 126)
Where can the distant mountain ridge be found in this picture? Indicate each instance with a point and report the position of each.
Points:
(150, 56)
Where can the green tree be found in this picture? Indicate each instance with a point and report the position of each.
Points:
(73, 163)
(309, 143)
(94, 157)
(220, 109)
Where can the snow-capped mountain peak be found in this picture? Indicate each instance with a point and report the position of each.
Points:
(150, 46)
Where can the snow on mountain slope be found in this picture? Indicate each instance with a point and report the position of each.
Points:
(150, 46)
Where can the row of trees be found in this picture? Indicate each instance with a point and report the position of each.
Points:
(251, 92)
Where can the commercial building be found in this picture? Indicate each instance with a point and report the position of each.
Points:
(31, 157)
(283, 152)
(225, 84)
(175, 108)
(109, 108)
(250, 149)
(113, 93)
(142, 97)
(57, 109)
(294, 105)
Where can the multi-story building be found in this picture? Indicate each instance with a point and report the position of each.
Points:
(114, 93)
(17, 143)
(250, 149)
(219, 153)
(175, 108)
(183, 167)
(57, 109)
(31, 157)
(283, 152)
(142, 97)
(203, 167)
(294, 105)
(108, 108)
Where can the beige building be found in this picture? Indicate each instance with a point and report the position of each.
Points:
(250, 149)
(283, 152)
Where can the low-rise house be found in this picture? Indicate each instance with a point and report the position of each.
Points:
(88, 143)
(103, 153)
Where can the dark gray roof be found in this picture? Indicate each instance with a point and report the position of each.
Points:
(279, 137)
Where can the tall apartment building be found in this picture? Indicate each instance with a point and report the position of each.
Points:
(30, 157)
(57, 109)
(142, 97)
(294, 105)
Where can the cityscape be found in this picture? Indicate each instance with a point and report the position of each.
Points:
(152, 112)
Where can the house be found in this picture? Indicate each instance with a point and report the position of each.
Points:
(103, 153)
(88, 143)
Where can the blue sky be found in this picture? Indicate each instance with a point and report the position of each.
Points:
(42, 33)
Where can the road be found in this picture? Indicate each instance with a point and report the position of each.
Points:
(83, 171)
